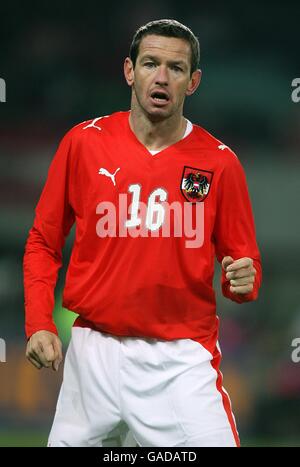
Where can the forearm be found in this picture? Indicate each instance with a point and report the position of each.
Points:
(41, 264)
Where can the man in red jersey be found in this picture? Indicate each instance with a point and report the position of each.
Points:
(155, 199)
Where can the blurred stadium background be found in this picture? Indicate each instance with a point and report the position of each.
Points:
(62, 63)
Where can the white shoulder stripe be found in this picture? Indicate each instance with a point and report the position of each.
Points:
(93, 123)
(222, 147)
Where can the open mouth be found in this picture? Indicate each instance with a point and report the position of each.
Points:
(160, 97)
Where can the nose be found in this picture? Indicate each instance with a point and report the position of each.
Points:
(161, 76)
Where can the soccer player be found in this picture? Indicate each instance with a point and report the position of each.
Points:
(155, 198)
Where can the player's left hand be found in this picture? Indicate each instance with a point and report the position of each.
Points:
(240, 273)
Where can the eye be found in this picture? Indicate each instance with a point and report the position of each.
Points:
(177, 68)
(149, 64)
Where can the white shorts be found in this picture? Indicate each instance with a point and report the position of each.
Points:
(167, 393)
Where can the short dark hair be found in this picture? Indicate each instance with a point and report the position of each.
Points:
(167, 28)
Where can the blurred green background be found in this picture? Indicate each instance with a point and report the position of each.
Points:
(62, 63)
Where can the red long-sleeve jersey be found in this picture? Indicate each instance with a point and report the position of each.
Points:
(148, 228)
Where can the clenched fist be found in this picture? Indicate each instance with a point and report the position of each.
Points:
(44, 349)
(240, 273)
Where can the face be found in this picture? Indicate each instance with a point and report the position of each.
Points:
(161, 78)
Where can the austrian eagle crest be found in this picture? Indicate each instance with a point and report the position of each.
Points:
(195, 183)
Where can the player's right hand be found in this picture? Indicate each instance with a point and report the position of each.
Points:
(44, 349)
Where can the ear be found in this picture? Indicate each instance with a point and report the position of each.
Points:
(194, 82)
(129, 71)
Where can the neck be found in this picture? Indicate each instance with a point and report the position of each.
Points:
(156, 135)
